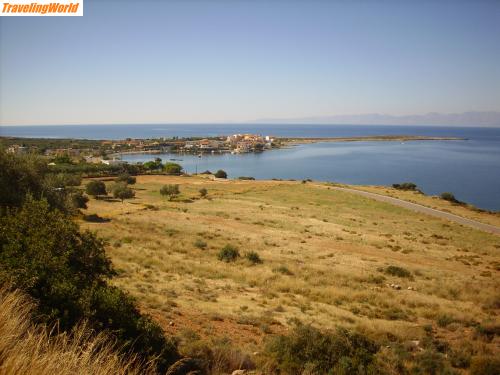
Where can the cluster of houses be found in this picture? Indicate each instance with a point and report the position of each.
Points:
(236, 143)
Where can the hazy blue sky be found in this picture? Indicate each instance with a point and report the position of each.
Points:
(210, 61)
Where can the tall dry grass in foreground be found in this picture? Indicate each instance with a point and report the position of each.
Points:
(29, 349)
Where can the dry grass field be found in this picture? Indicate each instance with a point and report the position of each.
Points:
(328, 258)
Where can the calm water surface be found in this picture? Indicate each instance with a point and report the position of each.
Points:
(470, 169)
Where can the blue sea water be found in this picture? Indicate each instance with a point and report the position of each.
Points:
(469, 168)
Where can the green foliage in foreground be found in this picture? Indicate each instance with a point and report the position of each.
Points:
(43, 253)
(25, 175)
(309, 350)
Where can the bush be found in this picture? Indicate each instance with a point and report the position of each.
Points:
(430, 362)
(122, 191)
(309, 350)
(203, 192)
(171, 191)
(96, 188)
(126, 178)
(398, 271)
(43, 253)
(405, 186)
(172, 169)
(253, 257)
(220, 174)
(485, 365)
(79, 200)
(206, 172)
(25, 175)
(449, 197)
(246, 178)
(200, 244)
(228, 253)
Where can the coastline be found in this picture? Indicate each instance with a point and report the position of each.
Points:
(376, 138)
(289, 142)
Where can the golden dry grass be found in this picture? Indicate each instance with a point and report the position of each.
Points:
(26, 349)
(324, 253)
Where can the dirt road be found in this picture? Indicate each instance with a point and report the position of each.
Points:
(425, 210)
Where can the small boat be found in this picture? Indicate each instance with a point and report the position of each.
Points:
(200, 154)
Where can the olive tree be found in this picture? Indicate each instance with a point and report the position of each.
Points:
(170, 191)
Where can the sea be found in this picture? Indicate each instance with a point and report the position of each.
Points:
(468, 168)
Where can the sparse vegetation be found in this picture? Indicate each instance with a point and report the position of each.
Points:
(309, 349)
(228, 253)
(253, 257)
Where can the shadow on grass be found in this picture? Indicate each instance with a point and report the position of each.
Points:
(94, 218)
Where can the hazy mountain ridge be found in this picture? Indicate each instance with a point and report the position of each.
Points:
(472, 118)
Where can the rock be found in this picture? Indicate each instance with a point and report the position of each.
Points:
(239, 372)
(170, 323)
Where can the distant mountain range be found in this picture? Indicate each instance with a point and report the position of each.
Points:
(445, 119)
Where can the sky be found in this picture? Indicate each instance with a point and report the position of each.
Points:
(229, 60)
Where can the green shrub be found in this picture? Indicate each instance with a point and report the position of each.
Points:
(220, 174)
(79, 200)
(172, 169)
(228, 253)
(449, 197)
(309, 350)
(96, 188)
(43, 253)
(253, 257)
(397, 271)
(203, 192)
(246, 178)
(405, 186)
(200, 244)
(170, 191)
(122, 191)
(23, 175)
